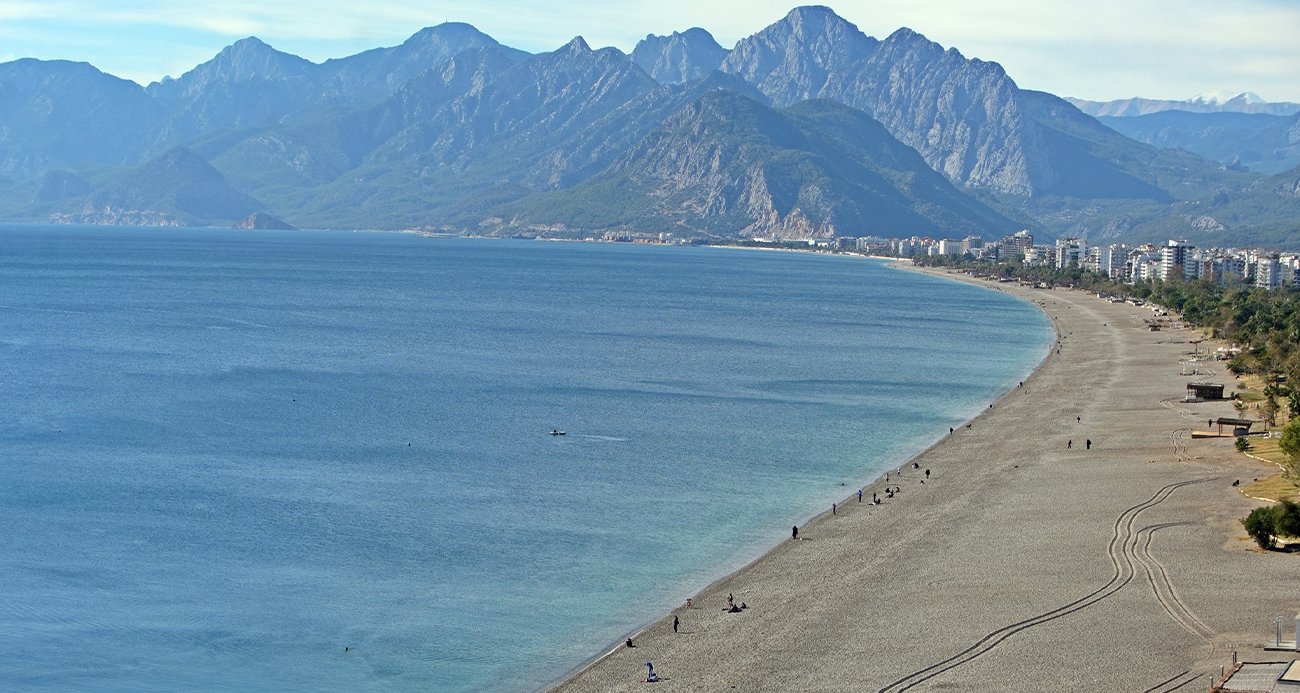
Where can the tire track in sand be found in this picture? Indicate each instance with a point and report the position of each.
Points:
(1122, 554)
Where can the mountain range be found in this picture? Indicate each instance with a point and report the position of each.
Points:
(1205, 102)
(806, 128)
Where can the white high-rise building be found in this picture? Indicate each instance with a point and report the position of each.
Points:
(1173, 260)
(1071, 251)
(950, 247)
(1268, 272)
(1113, 259)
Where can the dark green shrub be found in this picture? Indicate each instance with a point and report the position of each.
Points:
(1260, 525)
(1286, 519)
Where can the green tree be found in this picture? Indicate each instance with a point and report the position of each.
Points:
(1268, 410)
(1290, 446)
(1242, 444)
(1286, 518)
(1260, 525)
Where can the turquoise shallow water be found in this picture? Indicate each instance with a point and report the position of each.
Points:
(227, 455)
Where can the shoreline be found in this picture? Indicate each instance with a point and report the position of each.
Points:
(958, 536)
(894, 263)
(559, 682)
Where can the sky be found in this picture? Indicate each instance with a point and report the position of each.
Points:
(1092, 49)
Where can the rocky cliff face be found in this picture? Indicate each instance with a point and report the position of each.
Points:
(370, 76)
(811, 53)
(680, 57)
(962, 115)
(733, 166)
(248, 84)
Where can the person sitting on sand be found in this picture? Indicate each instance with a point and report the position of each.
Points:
(651, 676)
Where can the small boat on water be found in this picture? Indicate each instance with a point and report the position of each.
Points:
(556, 432)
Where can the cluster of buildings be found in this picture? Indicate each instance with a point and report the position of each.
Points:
(1121, 262)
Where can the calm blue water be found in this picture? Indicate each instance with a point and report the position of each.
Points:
(225, 456)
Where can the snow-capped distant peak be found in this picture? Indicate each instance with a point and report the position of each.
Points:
(1219, 97)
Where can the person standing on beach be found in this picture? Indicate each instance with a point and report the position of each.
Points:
(859, 495)
(832, 508)
(1089, 443)
(675, 622)
(794, 532)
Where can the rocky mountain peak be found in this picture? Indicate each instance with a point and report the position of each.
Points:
(373, 75)
(448, 32)
(577, 45)
(793, 59)
(680, 57)
(251, 58)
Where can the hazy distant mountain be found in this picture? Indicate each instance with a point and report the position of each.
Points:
(57, 113)
(1265, 143)
(370, 76)
(967, 118)
(1206, 102)
(482, 131)
(248, 84)
(450, 129)
(680, 57)
(179, 185)
(729, 165)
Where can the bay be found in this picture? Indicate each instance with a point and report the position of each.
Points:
(229, 455)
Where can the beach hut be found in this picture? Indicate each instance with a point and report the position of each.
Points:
(1197, 392)
(1240, 427)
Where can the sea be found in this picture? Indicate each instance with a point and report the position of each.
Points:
(323, 461)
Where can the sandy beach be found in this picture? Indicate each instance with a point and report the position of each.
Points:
(1027, 561)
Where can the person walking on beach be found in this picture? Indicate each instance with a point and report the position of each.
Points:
(1069, 444)
(927, 474)
(832, 508)
(1078, 419)
(859, 495)
(1089, 444)
(675, 622)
